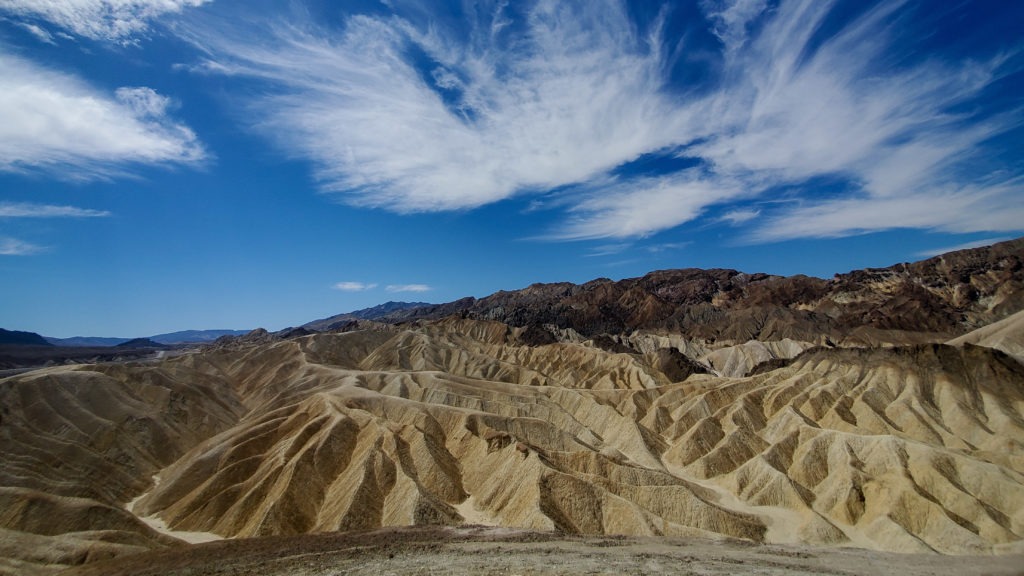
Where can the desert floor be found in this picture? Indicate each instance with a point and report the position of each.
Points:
(487, 550)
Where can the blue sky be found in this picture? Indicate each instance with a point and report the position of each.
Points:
(191, 164)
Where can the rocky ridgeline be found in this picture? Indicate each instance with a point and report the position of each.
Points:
(938, 298)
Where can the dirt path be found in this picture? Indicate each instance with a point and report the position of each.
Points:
(487, 550)
(159, 525)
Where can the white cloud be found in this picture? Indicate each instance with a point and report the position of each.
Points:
(30, 210)
(354, 286)
(579, 90)
(109, 20)
(642, 206)
(143, 102)
(831, 113)
(50, 119)
(574, 97)
(799, 113)
(15, 247)
(39, 33)
(666, 247)
(408, 288)
(364, 286)
(616, 249)
(965, 210)
(741, 216)
(964, 246)
(609, 249)
(731, 19)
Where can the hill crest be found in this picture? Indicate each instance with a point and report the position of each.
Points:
(21, 338)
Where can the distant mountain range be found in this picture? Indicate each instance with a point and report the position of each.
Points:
(375, 313)
(85, 341)
(381, 311)
(141, 343)
(18, 338)
(170, 339)
(21, 350)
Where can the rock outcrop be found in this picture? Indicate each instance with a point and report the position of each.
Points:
(928, 301)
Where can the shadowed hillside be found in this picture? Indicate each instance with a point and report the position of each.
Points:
(926, 301)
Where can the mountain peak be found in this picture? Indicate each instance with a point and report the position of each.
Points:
(372, 313)
(20, 338)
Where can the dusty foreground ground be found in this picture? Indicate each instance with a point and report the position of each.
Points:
(480, 550)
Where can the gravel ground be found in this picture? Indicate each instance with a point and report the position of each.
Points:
(484, 550)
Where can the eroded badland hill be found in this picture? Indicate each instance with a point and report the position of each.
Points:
(882, 410)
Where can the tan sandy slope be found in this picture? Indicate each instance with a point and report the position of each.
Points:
(1006, 335)
(76, 443)
(906, 449)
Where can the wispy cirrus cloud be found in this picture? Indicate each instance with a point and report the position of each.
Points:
(609, 249)
(14, 247)
(108, 20)
(408, 288)
(666, 246)
(40, 34)
(902, 137)
(351, 286)
(52, 120)
(731, 20)
(405, 113)
(794, 109)
(10, 210)
(466, 123)
(740, 216)
(956, 210)
(354, 286)
(641, 206)
(31, 210)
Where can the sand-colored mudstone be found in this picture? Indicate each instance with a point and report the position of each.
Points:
(904, 449)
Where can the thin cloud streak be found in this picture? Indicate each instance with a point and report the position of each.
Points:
(15, 247)
(737, 217)
(667, 246)
(972, 209)
(408, 288)
(39, 33)
(365, 286)
(581, 90)
(608, 250)
(107, 20)
(51, 120)
(639, 207)
(30, 210)
(730, 20)
(354, 286)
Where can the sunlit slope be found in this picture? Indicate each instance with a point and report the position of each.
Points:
(76, 443)
(1006, 335)
(904, 449)
(915, 448)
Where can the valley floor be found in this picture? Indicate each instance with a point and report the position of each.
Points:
(488, 550)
